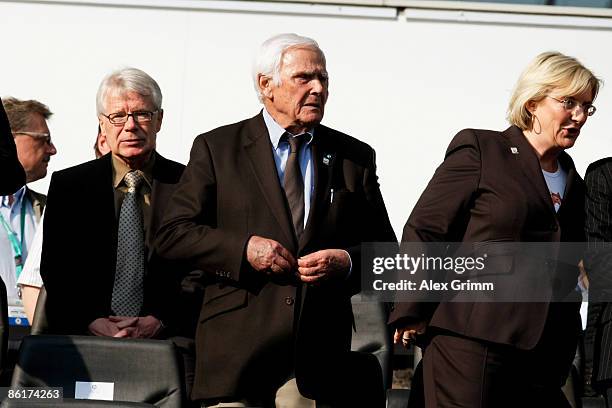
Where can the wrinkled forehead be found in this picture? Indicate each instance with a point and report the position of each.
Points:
(314, 55)
(119, 97)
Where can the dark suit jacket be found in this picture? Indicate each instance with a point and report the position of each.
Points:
(248, 322)
(598, 264)
(12, 173)
(484, 193)
(80, 246)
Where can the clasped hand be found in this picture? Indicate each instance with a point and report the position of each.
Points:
(269, 256)
(126, 327)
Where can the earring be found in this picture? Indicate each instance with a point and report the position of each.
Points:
(534, 120)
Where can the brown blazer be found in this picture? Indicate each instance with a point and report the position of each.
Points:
(482, 192)
(249, 321)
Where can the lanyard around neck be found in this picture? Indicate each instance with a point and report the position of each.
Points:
(12, 236)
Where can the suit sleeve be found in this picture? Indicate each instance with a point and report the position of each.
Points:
(13, 176)
(442, 212)
(189, 231)
(598, 226)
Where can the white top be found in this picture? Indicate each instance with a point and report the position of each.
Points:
(556, 185)
(30, 275)
(12, 215)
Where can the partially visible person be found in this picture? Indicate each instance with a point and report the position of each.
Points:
(30, 280)
(518, 185)
(100, 146)
(13, 176)
(20, 212)
(598, 264)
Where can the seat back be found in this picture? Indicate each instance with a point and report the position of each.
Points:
(72, 403)
(141, 370)
(372, 334)
(4, 326)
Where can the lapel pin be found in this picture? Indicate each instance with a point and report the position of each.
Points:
(514, 150)
(327, 159)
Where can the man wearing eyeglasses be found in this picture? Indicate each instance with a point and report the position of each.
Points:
(20, 212)
(99, 220)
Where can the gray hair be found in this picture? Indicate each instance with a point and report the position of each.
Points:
(267, 62)
(128, 80)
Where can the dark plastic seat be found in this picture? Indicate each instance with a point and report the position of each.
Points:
(72, 403)
(372, 334)
(146, 371)
(4, 326)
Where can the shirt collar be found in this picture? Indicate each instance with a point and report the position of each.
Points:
(276, 131)
(120, 169)
(17, 197)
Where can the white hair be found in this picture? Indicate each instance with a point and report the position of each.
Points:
(129, 80)
(267, 62)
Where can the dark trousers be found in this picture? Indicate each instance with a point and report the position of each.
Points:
(462, 372)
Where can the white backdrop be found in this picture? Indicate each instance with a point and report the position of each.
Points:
(403, 85)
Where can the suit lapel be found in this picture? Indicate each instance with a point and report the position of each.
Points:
(527, 161)
(258, 150)
(101, 202)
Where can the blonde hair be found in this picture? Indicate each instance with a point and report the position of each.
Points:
(548, 72)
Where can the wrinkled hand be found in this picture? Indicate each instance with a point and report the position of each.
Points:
(408, 333)
(146, 327)
(269, 256)
(324, 264)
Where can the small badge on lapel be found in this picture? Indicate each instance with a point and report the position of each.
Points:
(327, 159)
(514, 150)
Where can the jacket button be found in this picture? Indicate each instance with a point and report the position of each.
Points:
(289, 301)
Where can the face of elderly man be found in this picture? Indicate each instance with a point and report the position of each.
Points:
(134, 140)
(298, 103)
(34, 147)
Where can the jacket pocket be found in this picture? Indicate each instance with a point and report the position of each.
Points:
(220, 299)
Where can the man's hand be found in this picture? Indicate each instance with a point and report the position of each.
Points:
(408, 333)
(103, 327)
(324, 264)
(146, 327)
(270, 256)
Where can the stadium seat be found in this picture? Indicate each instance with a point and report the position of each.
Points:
(146, 371)
(372, 334)
(72, 403)
(4, 326)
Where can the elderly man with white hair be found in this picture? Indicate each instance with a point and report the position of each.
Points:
(275, 208)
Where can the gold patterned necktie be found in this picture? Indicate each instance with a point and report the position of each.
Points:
(293, 183)
(128, 287)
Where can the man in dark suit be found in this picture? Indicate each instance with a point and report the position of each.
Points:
(598, 264)
(85, 236)
(12, 172)
(275, 208)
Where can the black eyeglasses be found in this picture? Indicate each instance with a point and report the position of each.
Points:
(570, 104)
(120, 118)
(45, 137)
